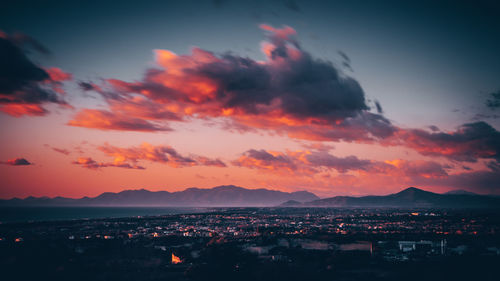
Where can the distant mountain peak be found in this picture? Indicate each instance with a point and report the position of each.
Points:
(291, 203)
(228, 187)
(413, 193)
(460, 192)
(301, 192)
(224, 195)
(235, 196)
(411, 197)
(412, 189)
(133, 190)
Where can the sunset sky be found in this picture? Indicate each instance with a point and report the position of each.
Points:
(330, 97)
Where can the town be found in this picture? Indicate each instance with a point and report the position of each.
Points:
(345, 243)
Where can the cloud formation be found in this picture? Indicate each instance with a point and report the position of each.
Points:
(289, 93)
(90, 163)
(106, 120)
(310, 163)
(268, 160)
(493, 102)
(24, 86)
(470, 142)
(61, 150)
(351, 172)
(484, 182)
(129, 157)
(16, 162)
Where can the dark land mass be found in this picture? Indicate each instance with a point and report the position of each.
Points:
(409, 198)
(234, 196)
(259, 244)
(228, 195)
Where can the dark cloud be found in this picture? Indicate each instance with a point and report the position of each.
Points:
(266, 156)
(434, 128)
(482, 116)
(342, 164)
(205, 161)
(291, 86)
(61, 150)
(470, 142)
(303, 161)
(344, 56)
(313, 162)
(494, 166)
(365, 127)
(290, 92)
(346, 61)
(243, 83)
(16, 162)
(16, 70)
(24, 86)
(493, 102)
(419, 168)
(86, 86)
(314, 88)
(266, 160)
(318, 146)
(26, 42)
(379, 107)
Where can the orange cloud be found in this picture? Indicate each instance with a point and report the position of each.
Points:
(162, 154)
(130, 156)
(105, 120)
(419, 168)
(90, 163)
(18, 110)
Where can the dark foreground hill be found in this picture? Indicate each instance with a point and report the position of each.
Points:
(228, 195)
(410, 197)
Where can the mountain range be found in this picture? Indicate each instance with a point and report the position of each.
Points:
(411, 197)
(235, 196)
(228, 195)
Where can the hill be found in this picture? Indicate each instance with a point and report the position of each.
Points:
(228, 195)
(411, 197)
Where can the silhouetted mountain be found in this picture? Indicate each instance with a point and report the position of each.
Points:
(228, 195)
(460, 191)
(292, 203)
(411, 197)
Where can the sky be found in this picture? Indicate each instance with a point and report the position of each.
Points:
(330, 97)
